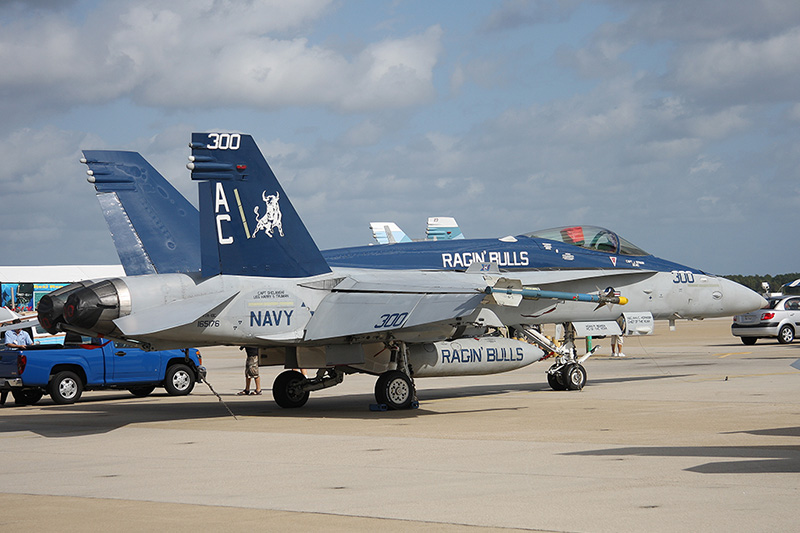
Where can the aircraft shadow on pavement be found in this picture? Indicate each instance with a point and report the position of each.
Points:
(783, 459)
(104, 412)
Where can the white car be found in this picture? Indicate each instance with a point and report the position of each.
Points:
(780, 318)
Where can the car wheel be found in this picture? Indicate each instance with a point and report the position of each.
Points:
(286, 389)
(749, 340)
(179, 380)
(66, 387)
(786, 335)
(141, 392)
(27, 396)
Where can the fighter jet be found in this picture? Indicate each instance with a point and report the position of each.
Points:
(263, 283)
(438, 229)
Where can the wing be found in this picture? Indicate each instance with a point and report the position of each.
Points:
(367, 303)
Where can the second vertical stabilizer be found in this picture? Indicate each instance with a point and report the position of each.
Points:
(248, 226)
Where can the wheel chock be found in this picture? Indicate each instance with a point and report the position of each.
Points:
(378, 407)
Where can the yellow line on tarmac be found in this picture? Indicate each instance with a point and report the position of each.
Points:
(724, 355)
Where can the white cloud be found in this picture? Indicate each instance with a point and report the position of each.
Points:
(49, 215)
(212, 54)
(734, 71)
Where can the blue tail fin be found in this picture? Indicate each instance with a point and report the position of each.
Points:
(155, 229)
(248, 226)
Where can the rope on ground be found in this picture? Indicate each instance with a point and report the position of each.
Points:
(220, 399)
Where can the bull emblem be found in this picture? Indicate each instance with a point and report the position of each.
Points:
(272, 218)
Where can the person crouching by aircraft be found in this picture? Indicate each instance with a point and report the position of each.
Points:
(17, 338)
(251, 372)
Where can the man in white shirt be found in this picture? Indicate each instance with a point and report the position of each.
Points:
(17, 338)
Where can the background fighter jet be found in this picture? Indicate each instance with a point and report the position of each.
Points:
(264, 283)
(438, 229)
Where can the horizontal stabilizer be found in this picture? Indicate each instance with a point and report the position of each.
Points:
(8, 314)
(26, 322)
(172, 315)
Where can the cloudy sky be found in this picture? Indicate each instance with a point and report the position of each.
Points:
(673, 122)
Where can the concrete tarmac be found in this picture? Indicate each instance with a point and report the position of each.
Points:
(692, 431)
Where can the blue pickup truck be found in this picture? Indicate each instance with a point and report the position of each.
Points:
(84, 363)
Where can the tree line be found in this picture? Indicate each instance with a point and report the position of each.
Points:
(754, 281)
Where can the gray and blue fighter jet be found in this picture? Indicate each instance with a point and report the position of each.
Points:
(398, 312)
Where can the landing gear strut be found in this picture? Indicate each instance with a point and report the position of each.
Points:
(291, 388)
(395, 388)
(567, 373)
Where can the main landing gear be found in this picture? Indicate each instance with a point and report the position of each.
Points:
(291, 388)
(393, 390)
(567, 373)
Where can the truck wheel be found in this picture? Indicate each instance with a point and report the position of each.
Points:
(141, 392)
(179, 380)
(27, 396)
(66, 387)
(286, 389)
(394, 389)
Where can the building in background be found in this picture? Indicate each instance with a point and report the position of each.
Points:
(21, 287)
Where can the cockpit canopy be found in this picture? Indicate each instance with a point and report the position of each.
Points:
(591, 238)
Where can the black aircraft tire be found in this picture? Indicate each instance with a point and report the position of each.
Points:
(66, 388)
(554, 381)
(285, 389)
(574, 376)
(27, 396)
(179, 380)
(141, 392)
(394, 389)
(749, 340)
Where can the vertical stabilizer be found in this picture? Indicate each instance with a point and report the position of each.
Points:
(388, 233)
(442, 229)
(248, 226)
(155, 229)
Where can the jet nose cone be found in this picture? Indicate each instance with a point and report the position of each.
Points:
(738, 299)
